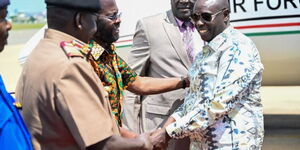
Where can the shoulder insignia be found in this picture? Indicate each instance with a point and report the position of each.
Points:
(18, 105)
(93, 49)
(72, 48)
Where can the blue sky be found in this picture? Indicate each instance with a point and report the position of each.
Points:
(29, 6)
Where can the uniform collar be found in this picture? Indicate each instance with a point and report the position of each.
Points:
(58, 36)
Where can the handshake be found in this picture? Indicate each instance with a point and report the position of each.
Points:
(156, 140)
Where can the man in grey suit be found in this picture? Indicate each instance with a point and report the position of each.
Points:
(161, 50)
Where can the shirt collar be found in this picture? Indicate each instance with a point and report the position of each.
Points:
(94, 49)
(220, 39)
(181, 26)
(179, 22)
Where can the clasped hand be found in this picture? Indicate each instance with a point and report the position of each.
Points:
(159, 138)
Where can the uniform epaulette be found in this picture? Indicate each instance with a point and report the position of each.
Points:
(72, 48)
(94, 49)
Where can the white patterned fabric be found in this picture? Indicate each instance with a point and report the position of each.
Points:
(222, 109)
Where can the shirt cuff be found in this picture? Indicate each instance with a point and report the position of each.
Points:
(176, 116)
(173, 130)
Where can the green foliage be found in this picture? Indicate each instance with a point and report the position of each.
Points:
(23, 26)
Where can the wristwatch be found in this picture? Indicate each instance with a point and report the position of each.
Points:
(183, 82)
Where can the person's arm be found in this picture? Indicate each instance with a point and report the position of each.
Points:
(148, 85)
(127, 134)
(160, 137)
(142, 142)
(236, 71)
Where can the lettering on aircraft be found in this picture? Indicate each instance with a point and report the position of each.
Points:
(247, 10)
(258, 5)
(252, 17)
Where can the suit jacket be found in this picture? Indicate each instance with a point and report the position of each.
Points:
(158, 51)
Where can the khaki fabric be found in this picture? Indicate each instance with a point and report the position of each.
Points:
(64, 103)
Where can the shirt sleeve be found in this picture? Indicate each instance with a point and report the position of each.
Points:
(178, 113)
(128, 75)
(83, 104)
(237, 69)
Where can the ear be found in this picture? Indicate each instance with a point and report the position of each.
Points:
(226, 16)
(78, 20)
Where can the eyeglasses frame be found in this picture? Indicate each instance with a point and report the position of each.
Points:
(112, 18)
(213, 16)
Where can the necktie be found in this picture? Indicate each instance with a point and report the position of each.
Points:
(188, 40)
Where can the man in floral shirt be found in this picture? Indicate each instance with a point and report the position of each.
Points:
(222, 109)
(114, 73)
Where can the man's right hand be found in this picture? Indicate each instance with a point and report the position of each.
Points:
(160, 139)
(145, 137)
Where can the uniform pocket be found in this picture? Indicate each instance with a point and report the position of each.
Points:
(157, 109)
(155, 116)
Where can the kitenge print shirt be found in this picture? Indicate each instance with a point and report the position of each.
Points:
(115, 75)
(222, 109)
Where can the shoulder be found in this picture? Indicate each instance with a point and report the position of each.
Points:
(78, 65)
(152, 23)
(76, 71)
(76, 55)
(241, 45)
(234, 39)
(243, 42)
(151, 19)
(74, 62)
(239, 36)
(72, 49)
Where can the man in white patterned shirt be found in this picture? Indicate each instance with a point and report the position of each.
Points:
(222, 109)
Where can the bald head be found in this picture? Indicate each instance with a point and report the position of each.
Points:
(216, 4)
(211, 17)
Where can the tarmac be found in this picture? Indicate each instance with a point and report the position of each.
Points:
(281, 103)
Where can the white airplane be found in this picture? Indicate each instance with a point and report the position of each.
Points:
(274, 26)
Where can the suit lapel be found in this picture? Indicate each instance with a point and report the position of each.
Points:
(172, 30)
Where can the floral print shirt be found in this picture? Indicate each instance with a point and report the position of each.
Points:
(114, 73)
(222, 109)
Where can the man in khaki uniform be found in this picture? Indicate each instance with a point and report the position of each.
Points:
(64, 103)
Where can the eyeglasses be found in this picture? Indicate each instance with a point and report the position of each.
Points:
(113, 17)
(206, 17)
